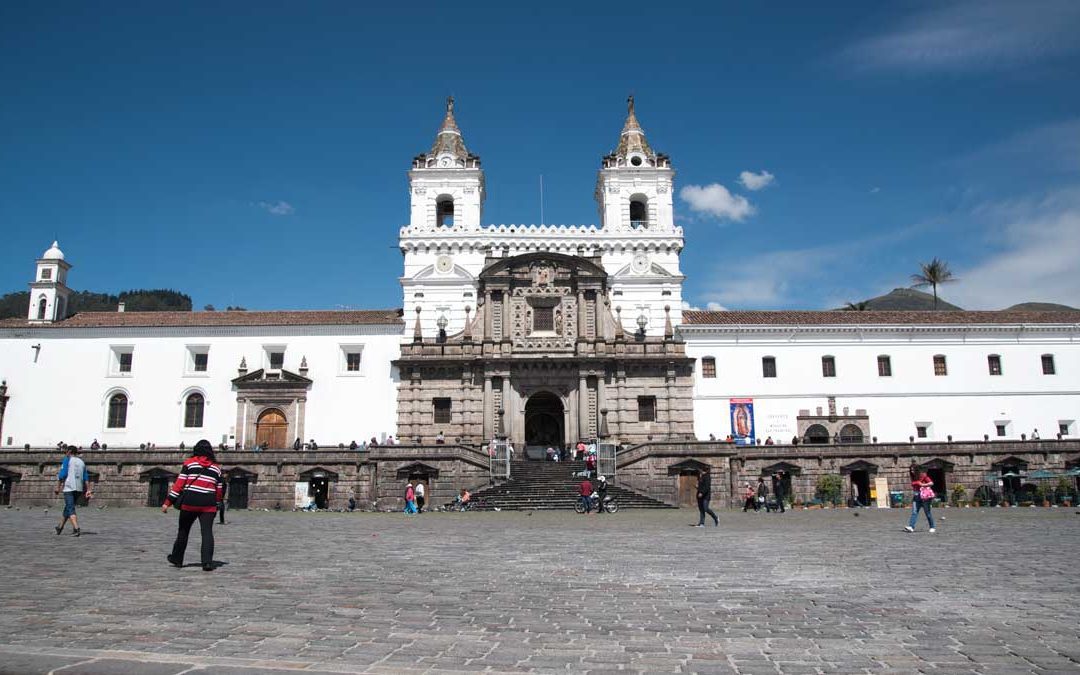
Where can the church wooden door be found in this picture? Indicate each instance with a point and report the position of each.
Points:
(688, 488)
(272, 429)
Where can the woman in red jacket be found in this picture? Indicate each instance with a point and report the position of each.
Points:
(196, 493)
(923, 486)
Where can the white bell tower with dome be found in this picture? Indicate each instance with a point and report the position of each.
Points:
(447, 183)
(49, 293)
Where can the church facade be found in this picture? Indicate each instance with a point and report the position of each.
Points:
(539, 334)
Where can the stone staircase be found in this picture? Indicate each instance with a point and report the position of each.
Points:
(551, 486)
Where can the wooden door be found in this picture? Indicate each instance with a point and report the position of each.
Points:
(688, 488)
(238, 492)
(272, 429)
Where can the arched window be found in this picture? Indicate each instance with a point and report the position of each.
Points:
(849, 433)
(41, 309)
(118, 405)
(639, 212)
(193, 411)
(816, 434)
(444, 211)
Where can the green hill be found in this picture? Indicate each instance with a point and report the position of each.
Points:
(138, 300)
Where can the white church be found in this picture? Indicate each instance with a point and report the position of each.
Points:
(270, 378)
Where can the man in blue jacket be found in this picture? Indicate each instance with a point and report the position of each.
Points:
(73, 480)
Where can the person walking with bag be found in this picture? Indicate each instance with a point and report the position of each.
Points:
(196, 492)
(410, 498)
(923, 486)
(74, 481)
(704, 494)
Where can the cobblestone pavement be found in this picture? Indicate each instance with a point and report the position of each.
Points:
(806, 592)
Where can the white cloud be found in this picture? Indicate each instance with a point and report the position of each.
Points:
(874, 190)
(756, 181)
(970, 35)
(1035, 260)
(716, 200)
(715, 307)
(277, 208)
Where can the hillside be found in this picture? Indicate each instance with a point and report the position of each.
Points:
(906, 300)
(139, 300)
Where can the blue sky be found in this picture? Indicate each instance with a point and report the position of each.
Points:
(256, 153)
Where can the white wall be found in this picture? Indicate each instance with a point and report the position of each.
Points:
(63, 396)
(966, 403)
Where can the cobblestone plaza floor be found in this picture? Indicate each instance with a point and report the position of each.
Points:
(994, 591)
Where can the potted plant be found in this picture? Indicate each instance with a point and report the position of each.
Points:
(829, 489)
(958, 493)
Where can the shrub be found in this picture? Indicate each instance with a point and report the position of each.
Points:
(829, 488)
(958, 493)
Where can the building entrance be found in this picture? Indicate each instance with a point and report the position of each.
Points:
(271, 429)
(860, 488)
(544, 421)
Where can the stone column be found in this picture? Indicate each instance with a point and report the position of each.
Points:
(509, 406)
(489, 414)
(581, 315)
(506, 328)
(600, 401)
(583, 406)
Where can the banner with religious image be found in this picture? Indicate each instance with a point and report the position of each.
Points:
(742, 421)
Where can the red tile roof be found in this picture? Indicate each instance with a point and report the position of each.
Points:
(200, 319)
(838, 317)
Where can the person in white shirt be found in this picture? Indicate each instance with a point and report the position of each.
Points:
(418, 491)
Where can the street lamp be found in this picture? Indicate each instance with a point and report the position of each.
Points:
(642, 321)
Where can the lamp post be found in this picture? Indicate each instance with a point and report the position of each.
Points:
(642, 321)
(3, 406)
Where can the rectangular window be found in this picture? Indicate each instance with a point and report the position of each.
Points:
(920, 431)
(994, 362)
(884, 366)
(708, 367)
(1065, 427)
(121, 360)
(124, 364)
(939, 365)
(768, 366)
(441, 410)
(46, 274)
(828, 366)
(1000, 429)
(543, 319)
(277, 360)
(1048, 364)
(646, 408)
(352, 362)
(200, 361)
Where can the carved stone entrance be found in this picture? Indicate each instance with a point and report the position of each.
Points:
(544, 421)
(272, 429)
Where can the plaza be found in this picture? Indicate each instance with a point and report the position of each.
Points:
(819, 591)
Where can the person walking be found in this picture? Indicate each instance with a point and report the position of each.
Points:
(778, 489)
(221, 501)
(410, 498)
(749, 498)
(762, 495)
(419, 490)
(74, 481)
(923, 487)
(196, 492)
(704, 494)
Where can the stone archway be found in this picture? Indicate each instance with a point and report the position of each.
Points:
(272, 429)
(544, 421)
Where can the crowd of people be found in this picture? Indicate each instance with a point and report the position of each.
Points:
(757, 497)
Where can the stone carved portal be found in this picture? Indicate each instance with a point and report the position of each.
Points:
(544, 421)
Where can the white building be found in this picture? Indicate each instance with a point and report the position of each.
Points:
(247, 378)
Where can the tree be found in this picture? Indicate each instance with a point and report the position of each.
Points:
(208, 308)
(933, 274)
(857, 306)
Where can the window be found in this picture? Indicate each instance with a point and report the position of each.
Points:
(1065, 427)
(939, 365)
(193, 411)
(994, 362)
(768, 366)
(352, 362)
(201, 361)
(125, 362)
(441, 410)
(444, 211)
(41, 309)
(828, 366)
(1048, 364)
(639, 215)
(851, 433)
(46, 274)
(646, 408)
(920, 431)
(275, 359)
(884, 366)
(543, 319)
(118, 405)
(708, 367)
(198, 359)
(1001, 429)
(121, 360)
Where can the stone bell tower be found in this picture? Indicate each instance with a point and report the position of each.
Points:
(48, 291)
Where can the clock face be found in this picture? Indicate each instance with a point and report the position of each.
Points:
(444, 264)
(640, 264)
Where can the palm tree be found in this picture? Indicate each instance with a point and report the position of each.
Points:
(933, 273)
(860, 306)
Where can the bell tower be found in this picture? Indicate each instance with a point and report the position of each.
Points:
(48, 291)
(447, 183)
(633, 188)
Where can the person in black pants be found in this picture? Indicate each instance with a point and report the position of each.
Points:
(221, 502)
(704, 494)
(778, 489)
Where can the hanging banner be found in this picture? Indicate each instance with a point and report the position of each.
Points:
(742, 421)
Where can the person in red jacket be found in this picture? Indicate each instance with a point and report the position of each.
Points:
(196, 492)
(585, 490)
(923, 486)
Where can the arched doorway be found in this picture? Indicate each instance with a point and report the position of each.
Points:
(272, 429)
(544, 421)
(816, 434)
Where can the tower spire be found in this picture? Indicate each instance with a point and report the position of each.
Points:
(632, 139)
(449, 141)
